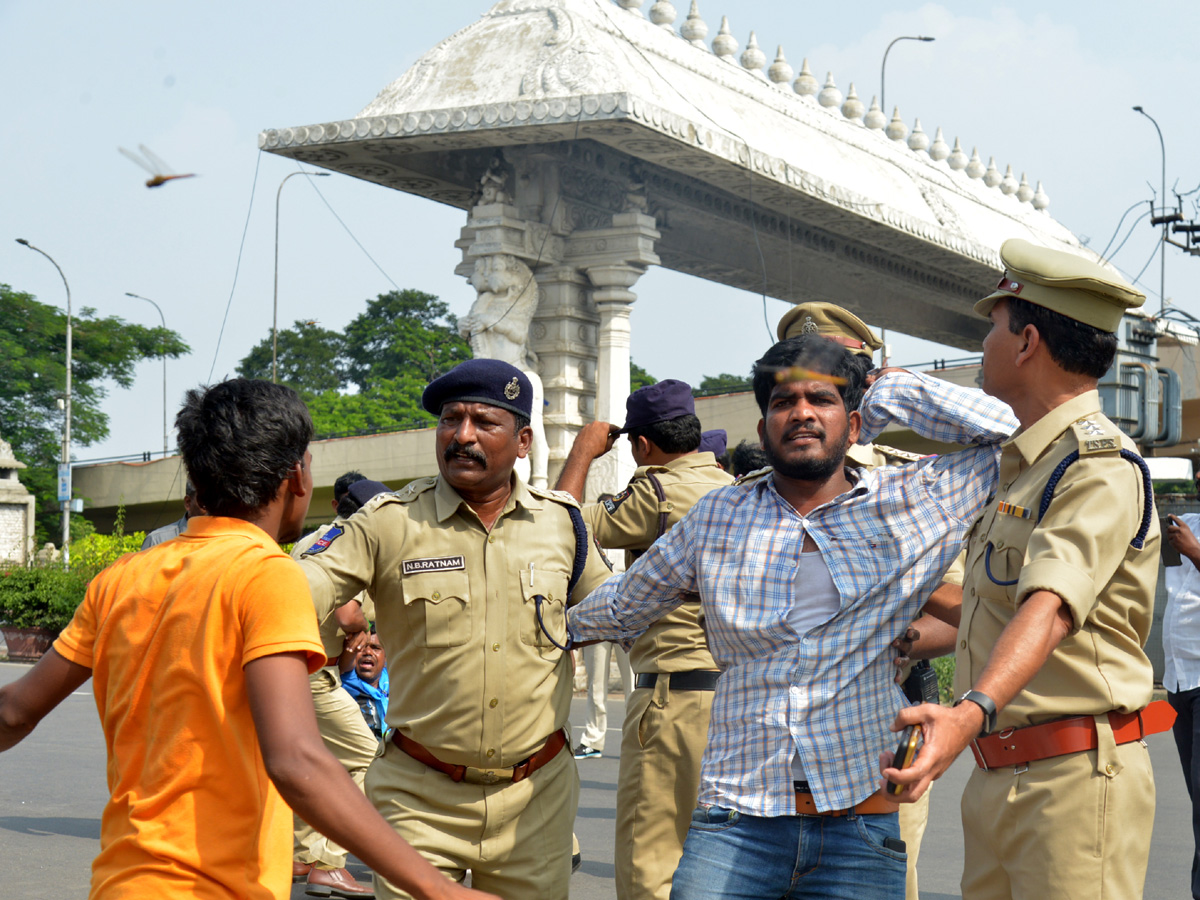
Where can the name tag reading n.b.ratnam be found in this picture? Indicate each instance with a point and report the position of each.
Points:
(433, 564)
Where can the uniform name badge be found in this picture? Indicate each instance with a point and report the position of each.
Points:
(433, 564)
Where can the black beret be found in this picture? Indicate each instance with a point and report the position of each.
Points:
(487, 381)
(666, 399)
(362, 491)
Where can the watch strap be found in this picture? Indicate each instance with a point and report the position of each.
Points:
(985, 703)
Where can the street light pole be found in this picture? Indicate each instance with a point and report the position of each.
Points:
(66, 445)
(883, 65)
(164, 356)
(1162, 249)
(275, 301)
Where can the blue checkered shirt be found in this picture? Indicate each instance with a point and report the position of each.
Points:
(827, 694)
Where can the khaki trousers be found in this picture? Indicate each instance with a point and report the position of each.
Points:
(1073, 827)
(657, 786)
(348, 738)
(514, 838)
(913, 819)
(597, 659)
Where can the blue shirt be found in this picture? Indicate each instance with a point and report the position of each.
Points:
(828, 693)
(377, 694)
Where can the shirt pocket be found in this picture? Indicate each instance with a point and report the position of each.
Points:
(1004, 546)
(552, 588)
(437, 603)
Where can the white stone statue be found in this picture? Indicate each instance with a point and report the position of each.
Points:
(497, 327)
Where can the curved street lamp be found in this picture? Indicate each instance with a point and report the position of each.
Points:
(883, 65)
(1162, 250)
(164, 325)
(275, 301)
(66, 444)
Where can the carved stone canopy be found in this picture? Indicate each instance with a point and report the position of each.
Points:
(741, 172)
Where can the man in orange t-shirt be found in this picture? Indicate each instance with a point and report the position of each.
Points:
(199, 650)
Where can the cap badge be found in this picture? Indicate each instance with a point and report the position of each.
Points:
(1009, 286)
(809, 327)
(512, 390)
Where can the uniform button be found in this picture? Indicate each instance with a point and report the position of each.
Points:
(496, 647)
(491, 753)
(491, 539)
(962, 645)
(1109, 769)
(999, 545)
(492, 703)
(972, 592)
(437, 595)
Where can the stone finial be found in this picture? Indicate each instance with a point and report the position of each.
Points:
(663, 14)
(753, 58)
(958, 159)
(830, 96)
(780, 72)
(694, 30)
(1009, 184)
(806, 83)
(896, 129)
(975, 167)
(633, 6)
(853, 108)
(1040, 200)
(725, 44)
(875, 119)
(918, 140)
(1024, 191)
(992, 176)
(939, 149)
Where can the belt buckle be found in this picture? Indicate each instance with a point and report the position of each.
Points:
(489, 777)
(1021, 769)
(979, 757)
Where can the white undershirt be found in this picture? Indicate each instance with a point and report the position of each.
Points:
(817, 601)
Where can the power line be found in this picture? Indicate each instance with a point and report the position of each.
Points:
(237, 267)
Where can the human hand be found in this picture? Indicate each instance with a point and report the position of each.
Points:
(355, 642)
(947, 732)
(903, 646)
(1182, 538)
(596, 438)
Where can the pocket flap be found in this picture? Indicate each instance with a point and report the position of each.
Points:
(550, 584)
(434, 587)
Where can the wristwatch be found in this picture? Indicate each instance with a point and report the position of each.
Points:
(984, 702)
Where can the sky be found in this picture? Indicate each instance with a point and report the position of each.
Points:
(1045, 87)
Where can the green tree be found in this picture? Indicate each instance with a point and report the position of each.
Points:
(723, 383)
(639, 377)
(33, 339)
(403, 333)
(310, 359)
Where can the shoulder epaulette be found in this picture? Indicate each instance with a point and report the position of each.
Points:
(408, 493)
(1096, 435)
(901, 456)
(752, 477)
(557, 496)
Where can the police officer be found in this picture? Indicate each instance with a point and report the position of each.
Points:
(666, 718)
(840, 325)
(317, 861)
(1061, 568)
(471, 571)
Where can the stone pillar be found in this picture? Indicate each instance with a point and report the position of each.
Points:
(17, 507)
(614, 302)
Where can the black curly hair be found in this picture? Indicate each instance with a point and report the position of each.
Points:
(239, 439)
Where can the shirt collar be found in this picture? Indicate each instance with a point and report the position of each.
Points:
(862, 481)
(1032, 442)
(211, 526)
(447, 500)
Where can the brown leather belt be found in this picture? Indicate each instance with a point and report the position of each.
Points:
(877, 804)
(1017, 746)
(472, 775)
(332, 660)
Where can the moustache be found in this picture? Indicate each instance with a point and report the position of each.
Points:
(817, 433)
(457, 449)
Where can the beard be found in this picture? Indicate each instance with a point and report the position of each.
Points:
(810, 468)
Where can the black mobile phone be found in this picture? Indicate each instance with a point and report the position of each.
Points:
(1170, 556)
(906, 752)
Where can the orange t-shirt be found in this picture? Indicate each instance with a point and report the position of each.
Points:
(166, 633)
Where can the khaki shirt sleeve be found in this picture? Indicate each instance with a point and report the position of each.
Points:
(629, 521)
(1076, 548)
(595, 571)
(345, 567)
(954, 574)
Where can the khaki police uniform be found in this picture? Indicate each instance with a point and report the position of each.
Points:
(341, 725)
(665, 730)
(1076, 825)
(474, 679)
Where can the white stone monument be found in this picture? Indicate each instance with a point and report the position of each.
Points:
(17, 507)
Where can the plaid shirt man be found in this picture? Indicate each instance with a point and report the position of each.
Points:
(827, 694)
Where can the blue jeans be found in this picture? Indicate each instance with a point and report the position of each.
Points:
(733, 856)
(1187, 741)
